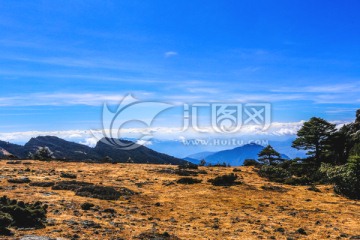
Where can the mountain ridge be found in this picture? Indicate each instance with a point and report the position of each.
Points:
(234, 157)
(76, 152)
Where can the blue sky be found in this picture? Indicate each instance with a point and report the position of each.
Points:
(61, 60)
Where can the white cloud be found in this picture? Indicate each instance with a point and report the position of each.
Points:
(170, 54)
(91, 141)
(90, 138)
(328, 88)
(277, 131)
(64, 99)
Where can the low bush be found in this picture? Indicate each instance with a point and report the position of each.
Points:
(304, 180)
(188, 181)
(19, 180)
(313, 188)
(293, 172)
(224, 180)
(346, 178)
(42, 184)
(151, 235)
(19, 214)
(251, 162)
(274, 173)
(70, 185)
(273, 188)
(86, 206)
(67, 175)
(85, 189)
(14, 162)
(188, 166)
(99, 192)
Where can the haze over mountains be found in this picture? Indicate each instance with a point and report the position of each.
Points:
(192, 147)
(234, 157)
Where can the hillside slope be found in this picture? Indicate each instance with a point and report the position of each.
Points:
(253, 209)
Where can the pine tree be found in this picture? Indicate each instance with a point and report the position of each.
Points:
(315, 136)
(269, 155)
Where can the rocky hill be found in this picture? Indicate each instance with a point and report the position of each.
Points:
(70, 151)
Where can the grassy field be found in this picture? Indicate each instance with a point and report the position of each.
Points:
(252, 209)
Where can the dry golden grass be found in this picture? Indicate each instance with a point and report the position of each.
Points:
(198, 211)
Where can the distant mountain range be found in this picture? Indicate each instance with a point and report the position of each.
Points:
(191, 147)
(70, 151)
(234, 157)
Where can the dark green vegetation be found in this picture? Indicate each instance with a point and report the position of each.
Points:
(100, 192)
(47, 148)
(86, 206)
(67, 175)
(156, 236)
(41, 184)
(188, 181)
(224, 180)
(334, 157)
(251, 162)
(85, 189)
(269, 155)
(42, 153)
(345, 177)
(15, 213)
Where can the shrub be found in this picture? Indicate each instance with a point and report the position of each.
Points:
(183, 172)
(251, 162)
(300, 169)
(43, 154)
(224, 180)
(151, 235)
(67, 175)
(19, 180)
(19, 214)
(70, 185)
(5, 219)
(273, 188)
(188, 166)
(13, 162)
(202, 172)
(188, 181)
(220, 165)
(99, 192)
(85, 189)
(304, 180)
(313, 188)
(86, 206)
(346, 178)
(274, 173)
(202, 162)
(42, 184)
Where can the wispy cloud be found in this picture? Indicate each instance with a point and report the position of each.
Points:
(170, 54)
(65, 99)
(87, 137)
(327, 88)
